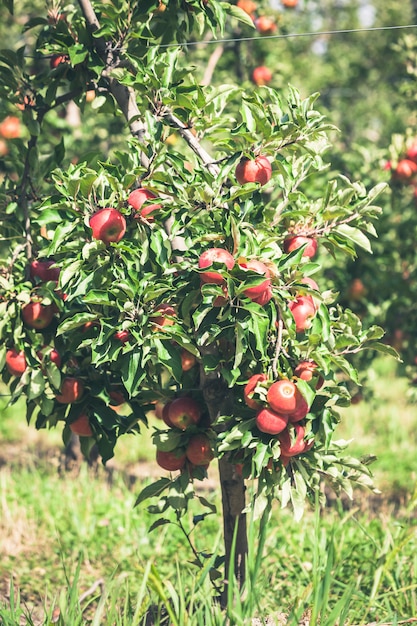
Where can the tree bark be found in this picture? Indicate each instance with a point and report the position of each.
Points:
(219, 400)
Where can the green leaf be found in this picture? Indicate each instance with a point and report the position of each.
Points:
(354, 234)
(155, 489)
(384, 348)
(238, 13)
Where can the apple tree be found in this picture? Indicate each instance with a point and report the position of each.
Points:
(160, 254)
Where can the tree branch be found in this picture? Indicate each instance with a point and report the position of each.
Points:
(192, 141)
(211, 65)
(124, 96)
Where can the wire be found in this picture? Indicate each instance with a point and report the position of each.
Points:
(291, 35)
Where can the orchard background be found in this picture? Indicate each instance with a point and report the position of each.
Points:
(194, 257)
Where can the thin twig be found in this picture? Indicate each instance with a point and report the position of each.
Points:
(278, 345)
(91, 590)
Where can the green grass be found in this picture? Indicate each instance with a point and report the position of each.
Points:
(77, 546)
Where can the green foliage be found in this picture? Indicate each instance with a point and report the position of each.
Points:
(185, 142)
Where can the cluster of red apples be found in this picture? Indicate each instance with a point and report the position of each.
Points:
(405, 172)
(184, 413)
(280, 408)
(39, 316)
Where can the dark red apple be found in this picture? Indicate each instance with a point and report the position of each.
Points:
(215, 255)
(171, 461)
(108, 225)
(199, 451)
(123, 336)
(15, 362)
(257, 170)
(44, 270)
(37, 315)
(72, 390)
(183, 412)
(81, 426)
(270, 422)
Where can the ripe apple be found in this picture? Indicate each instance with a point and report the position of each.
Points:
(265, 25)
(72, 390)
(257, 170)
(303, 310)
(44, 270)
(214, 255)
(138, 197)
(165, 414)
(222, 300)
(412, 152)
(171, 461)
(250, 388)
(58, 59)
(81, 426)
(10, 127)
(405, 171)
(306, 370)
(108, 225)
(356, 290)
(248, 6)
(270, 422)
(289, 4)
(15, 362)
(284, 397)
(37, 315)
(188, 360)
(183, 412)
(162, 316)
(4, 148)
(51, 354)
(292, 443)
(264, 287)
(293, 242)
(123, 336)
(199, 451)
(261, 75)
(116, 398)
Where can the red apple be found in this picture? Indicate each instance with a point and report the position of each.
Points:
(10, 127)
(261, 75)
(292, 441)
(215, 255)
(199, 451)
(303, 310)
(306, 370)
(81, 426)
(37, 315)
(356, 289)
(123, 336)
(51, 354)
(58, 59)
(188, 360)
(270, 422)
(264, 287)
(183, 412)
(15, 362)
(171, 461)
(405, 171)
(289, 4)
(250, 388)
(284, 397)
(412, 152)
(248, 6)
(293, 242)
(257, 170)
(108, 225)
(4, 148)
(138, 197)
(44, 270)
(265, 25)
(72, 390)
(162, 316)
(165, 414)
(222, 300)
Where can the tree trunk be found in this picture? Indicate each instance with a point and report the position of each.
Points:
(219, 400)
